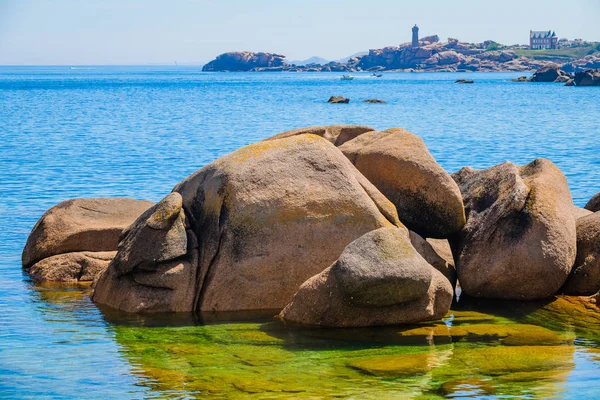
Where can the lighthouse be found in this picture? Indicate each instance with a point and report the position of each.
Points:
(415, 37)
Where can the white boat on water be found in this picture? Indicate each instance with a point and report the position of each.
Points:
(347, 77)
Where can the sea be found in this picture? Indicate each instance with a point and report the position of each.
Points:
(136, 131)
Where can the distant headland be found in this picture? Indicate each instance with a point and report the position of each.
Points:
(429, 54)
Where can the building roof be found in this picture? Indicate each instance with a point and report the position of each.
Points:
(542, 34)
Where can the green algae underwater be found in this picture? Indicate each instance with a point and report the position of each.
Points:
(481, 349)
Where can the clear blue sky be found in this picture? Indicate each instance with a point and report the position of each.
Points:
(73, 32)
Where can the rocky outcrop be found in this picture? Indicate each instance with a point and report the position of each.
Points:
(244, 61)
(463, 81)
(379, 279)
(338, 100)
(400, 166)
(590, 77)
(550, 73)
(584, 279)
(336, 134)
(261, 220)
(520, 79)
(519, 240)
(594, 203)
(68, 233)
(583, 64)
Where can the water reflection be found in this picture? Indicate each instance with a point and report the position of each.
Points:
(481, 349)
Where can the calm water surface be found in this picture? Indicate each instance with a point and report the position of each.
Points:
(136, 132)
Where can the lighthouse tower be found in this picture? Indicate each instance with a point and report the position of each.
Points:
(415, 37)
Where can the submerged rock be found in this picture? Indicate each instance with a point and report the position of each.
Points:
(519, 79)
(76, 226)
(519, 240)
(398, 163)
(379, 279)
(262, 220)
(463, 81)
(374, 101)
(585, 275)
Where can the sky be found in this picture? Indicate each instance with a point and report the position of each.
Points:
(123, 32)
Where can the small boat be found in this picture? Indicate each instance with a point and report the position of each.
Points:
(347, 77)
(377, 75)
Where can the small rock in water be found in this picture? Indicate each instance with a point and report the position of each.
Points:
(520, 79)
(373, 101)
(338, 100)
(462, 81)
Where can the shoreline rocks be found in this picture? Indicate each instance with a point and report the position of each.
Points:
(313, 224)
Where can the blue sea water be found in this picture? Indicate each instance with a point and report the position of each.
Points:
(137, 131)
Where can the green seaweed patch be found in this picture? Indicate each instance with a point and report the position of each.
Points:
(508, 334)
(397, 365)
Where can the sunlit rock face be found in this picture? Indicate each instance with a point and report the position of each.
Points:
(519, 241)
(76, 239)
(379, 279)
(260, 221)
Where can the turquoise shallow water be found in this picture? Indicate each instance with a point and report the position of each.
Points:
(137, 131)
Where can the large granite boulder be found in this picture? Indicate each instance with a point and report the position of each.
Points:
(379, 279)
(590, 77)
(594, 203)
(261, 220)
(519, 241)
(398, 163)
(244, 61)
(336, 134)
(78, 226)
(585, 275)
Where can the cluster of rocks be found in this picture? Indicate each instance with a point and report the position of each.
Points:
(555, 73)
(345, 100)
(337, 226)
